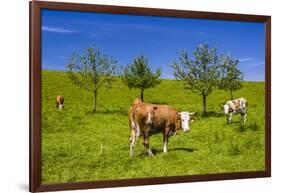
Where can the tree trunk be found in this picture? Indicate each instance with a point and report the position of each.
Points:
(95, 101)
(204, 98)
(231, 95)
(142, 94)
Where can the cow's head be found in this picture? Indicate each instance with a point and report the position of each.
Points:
(185, 119)
(225, 108)
(60, 106)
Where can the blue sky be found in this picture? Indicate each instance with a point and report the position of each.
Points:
(159, 38)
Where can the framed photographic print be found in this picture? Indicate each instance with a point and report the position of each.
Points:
(123, 96)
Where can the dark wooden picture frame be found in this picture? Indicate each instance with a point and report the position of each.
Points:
(35, 94)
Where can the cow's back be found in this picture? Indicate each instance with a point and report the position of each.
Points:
(164, 115)
(59, 102)
(60, 99)
(237, 104)
(160, 115)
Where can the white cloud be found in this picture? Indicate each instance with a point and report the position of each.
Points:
(252, 62)
(246, 59)
(57, 30)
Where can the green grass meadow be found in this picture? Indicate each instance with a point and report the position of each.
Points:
(78, 145)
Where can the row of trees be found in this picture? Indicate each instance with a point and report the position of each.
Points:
(203, 73)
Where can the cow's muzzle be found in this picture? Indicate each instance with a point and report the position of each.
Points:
(186, 130)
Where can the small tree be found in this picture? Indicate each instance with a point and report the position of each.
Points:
(201, 74)
(139, 75)
(231, 76)
(91, 71)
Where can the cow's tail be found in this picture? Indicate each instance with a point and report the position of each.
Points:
(132, 121)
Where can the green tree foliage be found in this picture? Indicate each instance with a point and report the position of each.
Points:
(91, 70)
(231, 76)
(139, 75)
(201, 74)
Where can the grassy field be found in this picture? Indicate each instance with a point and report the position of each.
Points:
(78, 145)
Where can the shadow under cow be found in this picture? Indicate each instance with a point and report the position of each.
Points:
(159, 151)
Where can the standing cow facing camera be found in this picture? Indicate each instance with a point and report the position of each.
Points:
(237, 106)
(146, 119)
(60, 102)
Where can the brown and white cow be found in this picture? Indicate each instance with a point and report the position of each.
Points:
(237, 106)
(60, 102)
(146, 119)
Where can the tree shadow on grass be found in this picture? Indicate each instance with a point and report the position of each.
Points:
(102, 111)
(213, 114)
(158, 102)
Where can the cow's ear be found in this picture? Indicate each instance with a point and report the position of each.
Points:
(178, 116)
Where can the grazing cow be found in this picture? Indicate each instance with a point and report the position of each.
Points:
(146, 119)
(60, 102)
(237, 106)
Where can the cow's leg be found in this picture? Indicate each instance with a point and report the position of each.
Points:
(165, 146)
(132, 142)
(229, 117)
(165, 141)
(146, 144)
(243, 117)
(137, 131)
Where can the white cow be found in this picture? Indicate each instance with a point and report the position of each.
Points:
(237, 106)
